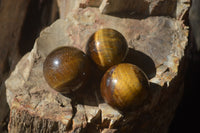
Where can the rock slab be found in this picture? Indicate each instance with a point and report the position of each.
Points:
(156, 45)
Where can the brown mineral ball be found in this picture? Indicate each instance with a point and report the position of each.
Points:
(107, 47)
(66, 69)
(124, 86)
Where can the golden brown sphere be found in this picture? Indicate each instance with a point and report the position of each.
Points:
(66, 69)
(107, 47)
(124, 86)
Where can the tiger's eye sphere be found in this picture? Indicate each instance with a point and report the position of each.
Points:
(124, 87)
(107, 47)
(66, 69)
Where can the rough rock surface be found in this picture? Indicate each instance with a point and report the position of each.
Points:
(156, 44)
(144, 7)
(20, 22)
(12, 15)
(135, 8)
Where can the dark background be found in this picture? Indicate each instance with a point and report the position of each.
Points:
(187, 115)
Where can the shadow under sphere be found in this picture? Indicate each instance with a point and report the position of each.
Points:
(141, 60)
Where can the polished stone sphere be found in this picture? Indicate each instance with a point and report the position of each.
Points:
(124, 87)
(107, 47)
(66, 69)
